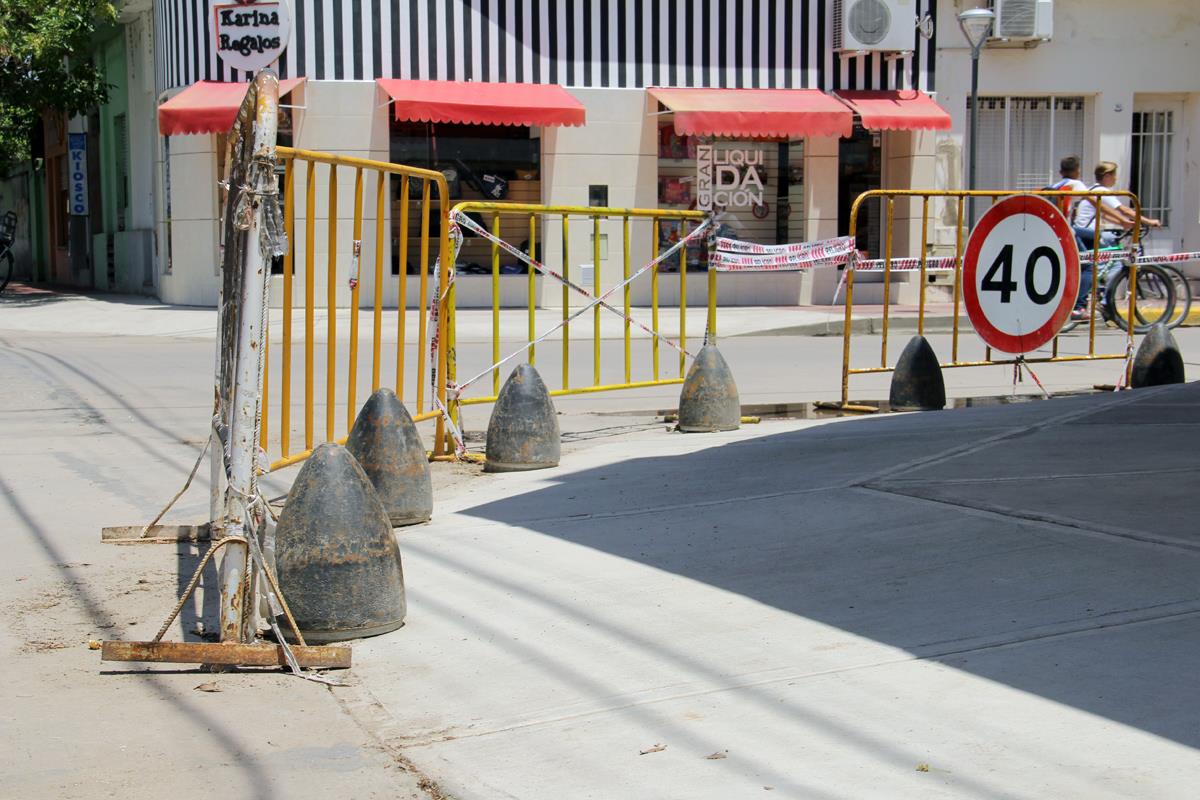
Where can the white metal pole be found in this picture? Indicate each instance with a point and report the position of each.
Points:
(237, 596)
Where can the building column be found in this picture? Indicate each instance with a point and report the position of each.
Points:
(617, 149)
(818, 286)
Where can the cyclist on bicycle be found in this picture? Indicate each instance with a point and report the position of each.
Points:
(1068, 170)
(1114, 213)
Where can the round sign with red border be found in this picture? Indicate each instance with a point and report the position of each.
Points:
(1020, 274)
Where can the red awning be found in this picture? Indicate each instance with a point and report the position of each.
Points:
(899, 110)
(208, 107)
(756, 113)
(483, 103)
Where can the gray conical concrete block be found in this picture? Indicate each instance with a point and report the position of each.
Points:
(917, 383)
(523, 431)
(1158, 360)
(709, 398)
(337, 559)
(387, 445)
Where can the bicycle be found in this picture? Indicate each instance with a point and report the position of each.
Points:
(8, 235)
(1156, 291)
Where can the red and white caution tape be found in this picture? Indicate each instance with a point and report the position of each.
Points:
(736, 256)
(725, 245)
(1169, 258)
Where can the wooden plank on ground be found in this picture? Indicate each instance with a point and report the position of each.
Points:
(231, 653)
(158, 534)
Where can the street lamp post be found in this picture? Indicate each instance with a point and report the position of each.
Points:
(976, 23)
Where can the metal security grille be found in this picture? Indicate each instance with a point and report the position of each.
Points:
(1150, 172)
(1022, 139)
(121, 142)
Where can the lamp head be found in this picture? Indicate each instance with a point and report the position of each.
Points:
(976, 23)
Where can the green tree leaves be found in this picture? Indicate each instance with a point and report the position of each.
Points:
(46, 64)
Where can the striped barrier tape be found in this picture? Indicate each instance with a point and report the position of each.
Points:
(752, 257)
(799, 248)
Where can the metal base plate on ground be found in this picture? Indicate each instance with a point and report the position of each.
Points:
(229, 653)
(157, 534)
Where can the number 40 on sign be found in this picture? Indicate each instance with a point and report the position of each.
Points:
(1020, 274)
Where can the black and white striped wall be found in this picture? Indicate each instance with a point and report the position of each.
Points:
(583, 43)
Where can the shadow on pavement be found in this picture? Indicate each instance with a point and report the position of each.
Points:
(1025, 544)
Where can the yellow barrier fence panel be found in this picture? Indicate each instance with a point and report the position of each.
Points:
(959, 198)
(594, 293)
(344, 263)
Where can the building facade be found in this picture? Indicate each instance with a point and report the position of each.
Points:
(606, 54)
(1114, 82)
(1105, 81)
(85, 202)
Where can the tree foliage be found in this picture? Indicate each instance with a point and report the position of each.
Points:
(46, 65)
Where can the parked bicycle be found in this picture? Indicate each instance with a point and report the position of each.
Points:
(8, 235)
(1162, 291)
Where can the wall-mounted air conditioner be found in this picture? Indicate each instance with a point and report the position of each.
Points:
(874, 25)
(1021, 20)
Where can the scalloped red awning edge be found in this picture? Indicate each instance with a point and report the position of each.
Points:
(703, 125)
(471, 103)
(897, 110)
(755, 113)
(208, 107)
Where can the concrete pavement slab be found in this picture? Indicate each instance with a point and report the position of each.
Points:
(776, 595)
(96, 432)
(741, 595)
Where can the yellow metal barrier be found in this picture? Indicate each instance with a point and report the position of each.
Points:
(540, 218)
(428, 401)
(296, 161)
(888, 197)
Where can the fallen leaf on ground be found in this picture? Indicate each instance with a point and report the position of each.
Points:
(718, 754)
(211, 686)
(658, 748)
(922, 767)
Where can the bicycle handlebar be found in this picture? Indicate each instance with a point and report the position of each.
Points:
(8, 228)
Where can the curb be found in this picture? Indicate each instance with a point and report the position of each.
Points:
(869, 325)
(906, 324)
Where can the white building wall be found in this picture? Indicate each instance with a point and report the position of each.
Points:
(191, 242)
(1110, 51)
(618, 149)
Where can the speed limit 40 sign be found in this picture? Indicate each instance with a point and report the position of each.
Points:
(1020, 274)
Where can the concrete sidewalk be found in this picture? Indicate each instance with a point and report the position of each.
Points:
(990, 602)
(1005, 595)
(39, 311)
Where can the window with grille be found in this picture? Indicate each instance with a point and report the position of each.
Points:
(1022, 139)
(1150, 172)
(121, 142)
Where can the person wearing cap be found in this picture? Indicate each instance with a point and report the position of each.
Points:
(1113, 215)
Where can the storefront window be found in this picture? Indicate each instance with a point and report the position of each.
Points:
(778, 169)
(496, 163)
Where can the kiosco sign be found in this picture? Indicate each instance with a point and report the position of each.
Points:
(728, 177)
(250, 35)
(77, 158)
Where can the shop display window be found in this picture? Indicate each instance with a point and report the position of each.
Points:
(494, 163)
(778, 219)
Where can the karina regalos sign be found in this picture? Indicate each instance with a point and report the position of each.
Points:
(250, 35)
(728, 177)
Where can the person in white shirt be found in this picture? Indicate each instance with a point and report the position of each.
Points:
(1068, 170)
(1113, 215)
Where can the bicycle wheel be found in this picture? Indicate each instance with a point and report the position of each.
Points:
(8, 256)
(1183, 295)
(1155, 298)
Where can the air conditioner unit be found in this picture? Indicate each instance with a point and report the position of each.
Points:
(874, 25)
(1023, 19)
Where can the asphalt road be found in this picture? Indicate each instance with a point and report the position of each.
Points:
(694, 592)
